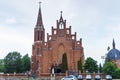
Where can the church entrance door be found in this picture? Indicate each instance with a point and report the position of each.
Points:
(57, 69)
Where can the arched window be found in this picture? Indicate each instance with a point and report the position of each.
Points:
(54, 31)
(38, 52)
(67, 31)
(61, 26)
(37, 66)
(38, 35)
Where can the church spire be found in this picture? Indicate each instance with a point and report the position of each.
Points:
(39, 19)
(113, 44)
(39, 29)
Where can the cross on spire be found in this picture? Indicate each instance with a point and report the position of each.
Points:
(40, 3)
(61, 12)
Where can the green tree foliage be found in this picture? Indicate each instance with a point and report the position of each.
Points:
(2, 65)
(26, 63)
(64, 63)
(91, 65)
(80, 67)
(116, 74)
(109, 68)
(13, 63)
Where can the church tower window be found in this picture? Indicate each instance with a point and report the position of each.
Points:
(73, 37)
(67, 31)
(38, 36)
(61, 26)
(55, 32)
(38, 52)
(37, 66)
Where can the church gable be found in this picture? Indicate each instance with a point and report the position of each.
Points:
(62, 32)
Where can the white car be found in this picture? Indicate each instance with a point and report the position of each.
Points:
(88, 77)
(97, 77)
(70, 77)
(80, 77)
(108, 77)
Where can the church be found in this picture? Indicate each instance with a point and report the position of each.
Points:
(114, 55)
(48, 54)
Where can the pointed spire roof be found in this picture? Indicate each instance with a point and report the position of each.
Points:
(39, 19)
(113, 44)
(61, 18)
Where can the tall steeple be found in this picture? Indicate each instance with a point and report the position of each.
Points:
(113, 44)
(39, 33)
(39, 19)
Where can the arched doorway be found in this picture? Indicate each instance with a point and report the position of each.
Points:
(57, 68)
(60, 52)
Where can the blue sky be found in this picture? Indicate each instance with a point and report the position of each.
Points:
(97, 22)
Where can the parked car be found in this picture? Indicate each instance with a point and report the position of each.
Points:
(70, 77)
(80, 77)
(108, 77)
(88, 77)
(97, 77)
(63, 78)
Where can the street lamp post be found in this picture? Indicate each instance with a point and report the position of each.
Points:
(14, 75)
(73, 67)
(102, 57)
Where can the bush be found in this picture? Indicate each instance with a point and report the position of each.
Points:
(116, 74)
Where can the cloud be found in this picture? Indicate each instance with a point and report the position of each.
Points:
(14, 40)
(10, 21)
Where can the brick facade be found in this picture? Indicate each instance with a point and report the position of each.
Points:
(46, 55)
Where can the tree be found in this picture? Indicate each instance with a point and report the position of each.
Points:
(64, 63)
(2, 65)
(26, 62)
(80, 65)
(116, 74)
(91, 65)
(109, 68)
(13, 63)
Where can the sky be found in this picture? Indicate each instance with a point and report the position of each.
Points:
(97, 22)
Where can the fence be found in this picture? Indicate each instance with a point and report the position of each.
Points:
(42, 77)
(12, 77)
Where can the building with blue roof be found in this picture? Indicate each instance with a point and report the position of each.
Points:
(114, 55)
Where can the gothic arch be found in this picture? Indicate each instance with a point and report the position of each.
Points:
(60, 51)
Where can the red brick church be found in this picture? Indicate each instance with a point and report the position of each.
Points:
(48, 54)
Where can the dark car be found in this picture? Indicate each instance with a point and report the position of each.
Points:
(80, 77)
(97, 77)
(108, 77)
